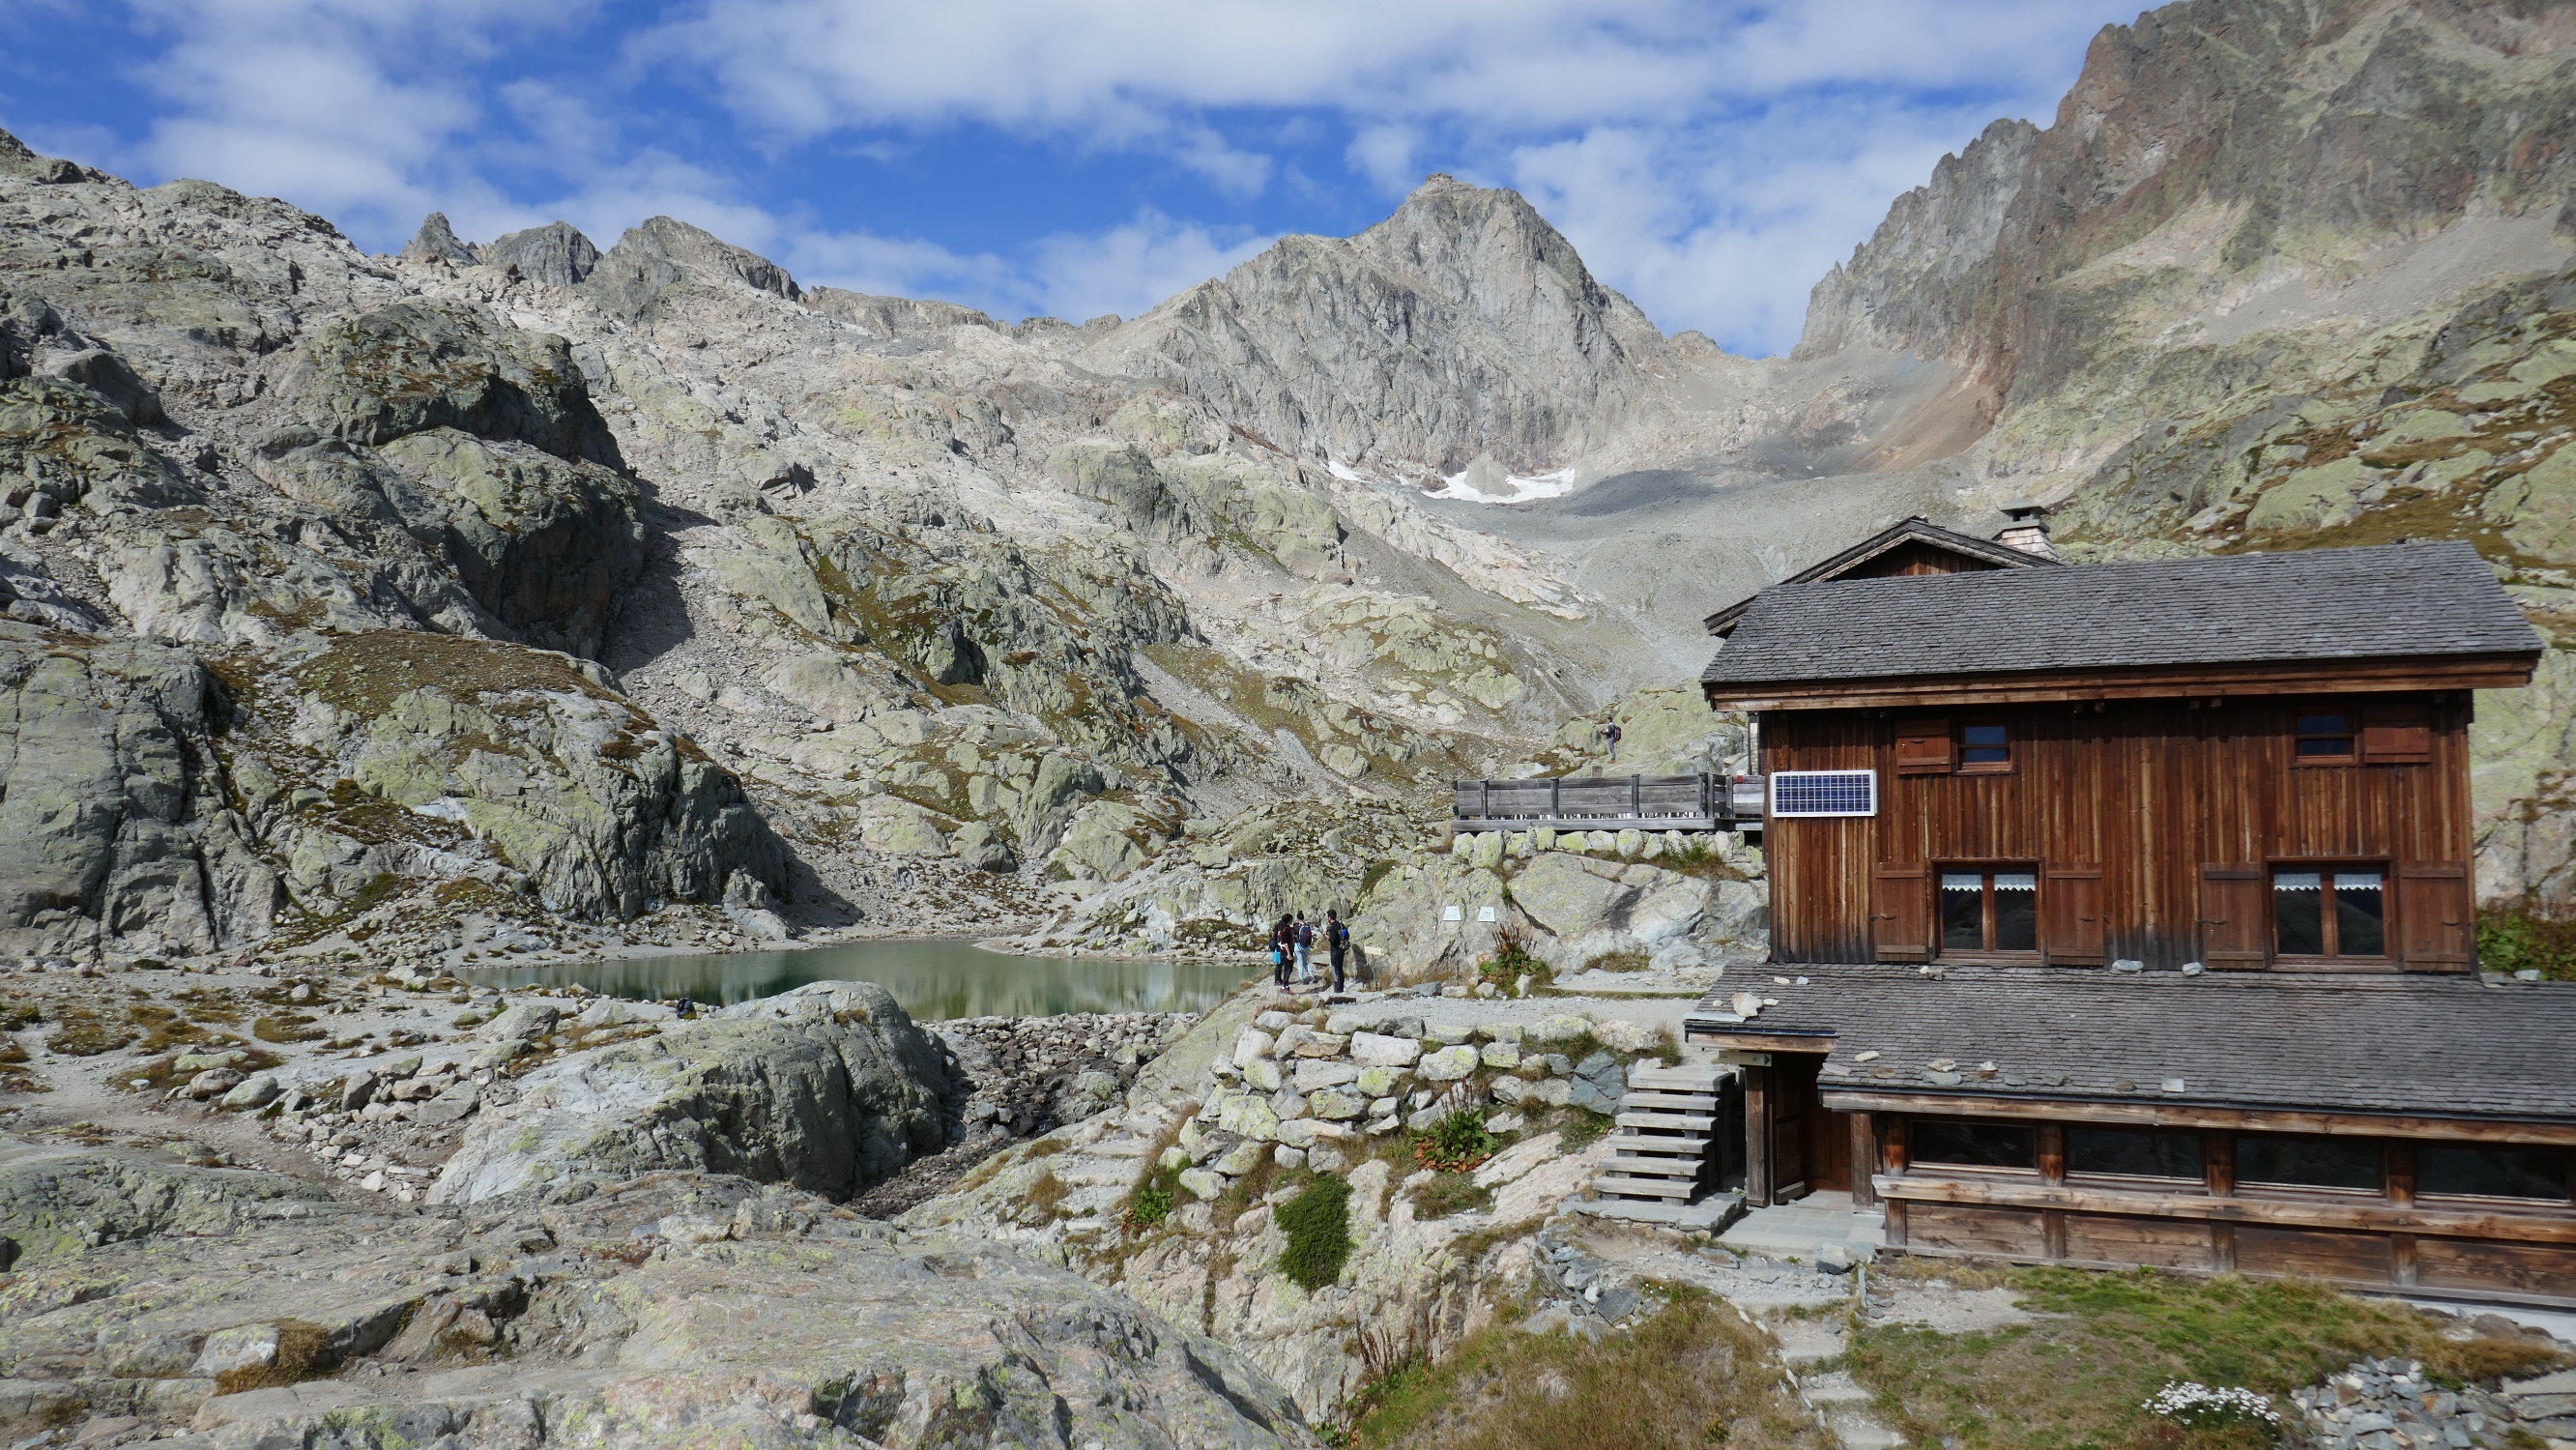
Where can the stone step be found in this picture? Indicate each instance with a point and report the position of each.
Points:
(1642, 1187)
(1859, 1431)
(1710, 1214)
(1665, 1118)
(1836, 1388)
(1807, 1341)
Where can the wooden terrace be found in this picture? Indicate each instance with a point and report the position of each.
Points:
(1703, 802)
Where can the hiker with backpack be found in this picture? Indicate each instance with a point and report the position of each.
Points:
(1337, 944)
(1279, 954)
(1305, 950)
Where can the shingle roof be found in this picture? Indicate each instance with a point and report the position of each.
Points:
(2394, 600)
(2448, 1046)
(1910, 531)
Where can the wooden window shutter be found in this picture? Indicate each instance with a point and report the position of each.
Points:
(2397, 733)
(2070, 916)
(2437, 919)
(1922, 747)
(1900, 913)
(2235, 917)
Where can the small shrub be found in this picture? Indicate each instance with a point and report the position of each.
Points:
(1149, 1207)
(1619, 962)
(1318, 1225)
(1456, 1143)
(1511, 959)
(2521, 938)
(16, 1015)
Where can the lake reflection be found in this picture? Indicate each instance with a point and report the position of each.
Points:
(934, 980)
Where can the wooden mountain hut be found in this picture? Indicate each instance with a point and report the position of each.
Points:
(2123, 914)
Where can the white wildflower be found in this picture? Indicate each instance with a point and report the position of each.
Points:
(2197, 1405)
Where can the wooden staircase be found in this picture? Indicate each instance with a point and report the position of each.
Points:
(1659, 1156)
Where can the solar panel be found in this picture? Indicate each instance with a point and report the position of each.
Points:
(1824, 793)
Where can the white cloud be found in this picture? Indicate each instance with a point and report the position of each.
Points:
(1124, 68)
(1128, 269)
(352, 107)
(1384, 154)
(1709, 157)
(1125, 269)
(1712, 159)
(1727, 229)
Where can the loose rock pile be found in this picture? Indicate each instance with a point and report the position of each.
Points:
(1030, 1074)
(1024, 1076)
(2388, 1404)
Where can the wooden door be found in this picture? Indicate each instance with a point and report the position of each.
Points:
(2436, 916)
(1794, 1114)
(1829, 1142)
(1900, 913)
(2070, 916)
(2235, 922)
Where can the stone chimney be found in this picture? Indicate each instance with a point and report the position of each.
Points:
(2027, 530)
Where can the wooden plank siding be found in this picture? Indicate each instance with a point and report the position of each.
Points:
(2151, 794)
(2515, 1250)
(1918, 557)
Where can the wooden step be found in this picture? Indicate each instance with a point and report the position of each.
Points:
(1679, 1170)
(1693, 1153)
(1643, 1188)
(1703, 1079)
(1668, 1147)
(1687, 1102)
(1665, 1118)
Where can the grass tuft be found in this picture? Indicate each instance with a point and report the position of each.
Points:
(2080, 1376)
(1693, 1374)
(303, 1353)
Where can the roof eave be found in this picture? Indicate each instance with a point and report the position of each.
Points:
(2510, 669)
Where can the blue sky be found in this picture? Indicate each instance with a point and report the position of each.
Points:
(1076, 157)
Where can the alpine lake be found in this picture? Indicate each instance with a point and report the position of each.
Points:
(934, 979)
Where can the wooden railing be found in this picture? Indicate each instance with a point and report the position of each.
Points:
(1609, 803)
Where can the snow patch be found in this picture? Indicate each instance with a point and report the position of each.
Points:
(1513, 487)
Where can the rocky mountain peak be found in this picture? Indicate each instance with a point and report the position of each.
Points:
(2206, 146)
(436, 240)
(1462, 326)
(17, 160)
(553, 255)
(665, 252)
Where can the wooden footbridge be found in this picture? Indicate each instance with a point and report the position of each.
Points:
(1704, 802)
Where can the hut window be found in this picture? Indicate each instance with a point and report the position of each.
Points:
(2331, 912)
(2134, 1152)
(2325, 736)
(2282, 1161)
(1985, 747)
(1989, 910)
(2492, 1170)
(1972, 1145)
